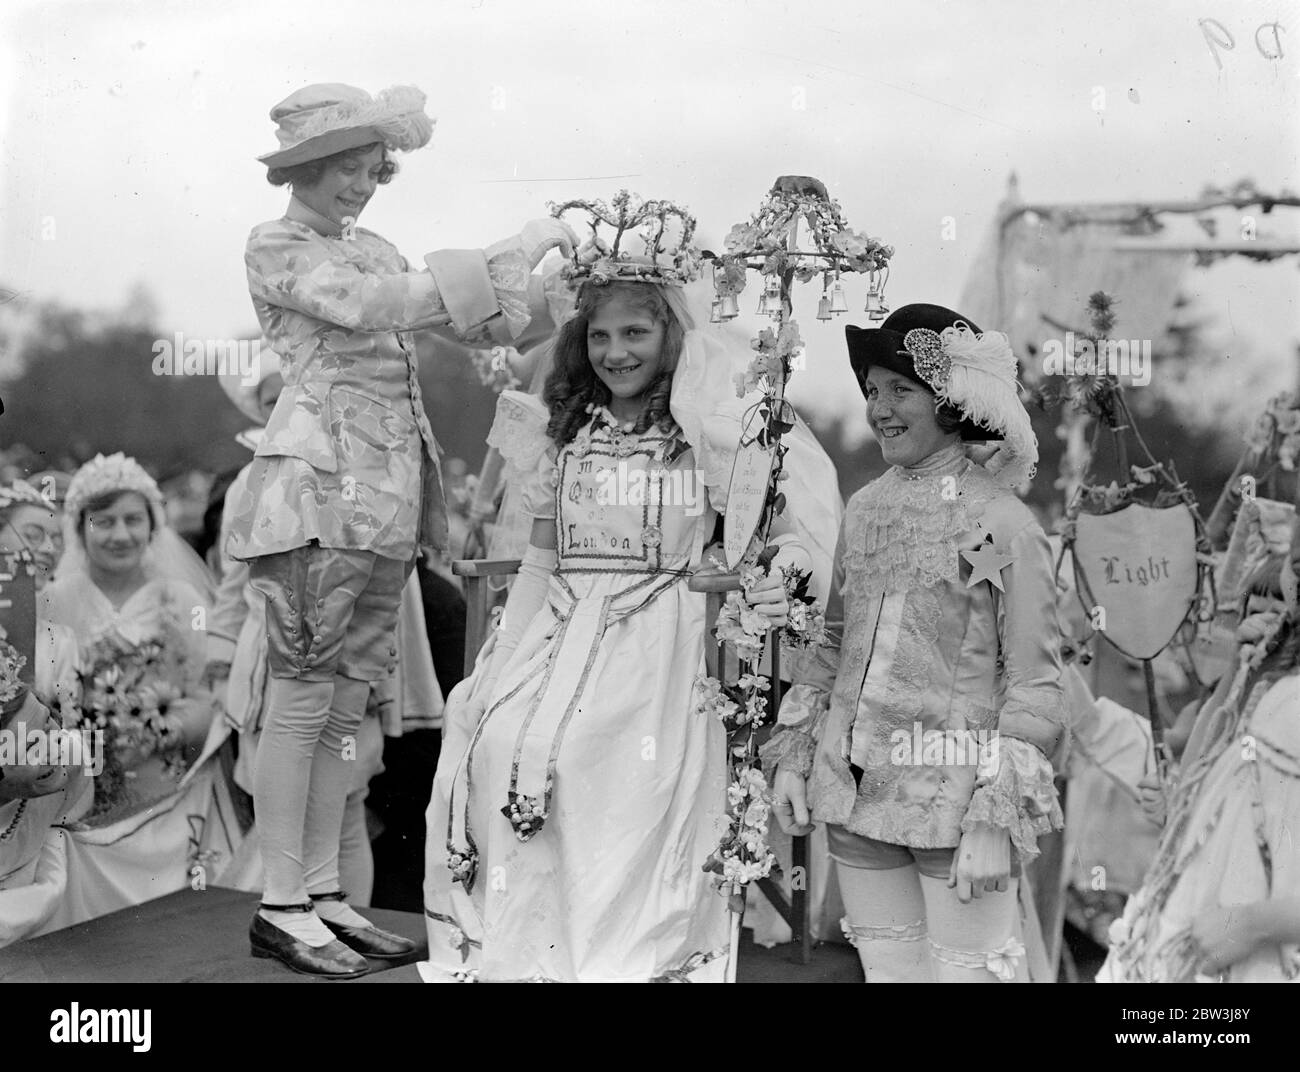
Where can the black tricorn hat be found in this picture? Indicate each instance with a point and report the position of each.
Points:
(883, 347)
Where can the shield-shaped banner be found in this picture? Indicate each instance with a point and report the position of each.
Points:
(1137, 574)
(747, 493)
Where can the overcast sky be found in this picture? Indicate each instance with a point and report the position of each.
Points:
(130, 129)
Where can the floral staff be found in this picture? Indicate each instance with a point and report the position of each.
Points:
(797, 234)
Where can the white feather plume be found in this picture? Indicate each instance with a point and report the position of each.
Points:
(982, 384)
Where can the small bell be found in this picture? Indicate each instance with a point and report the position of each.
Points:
(838, 303)
(824, 308)
(879, 311)
(875, 295)
(728, 307)
(715, 311)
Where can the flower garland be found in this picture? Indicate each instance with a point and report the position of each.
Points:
(743, 854)
(765, 234)
(774, 351)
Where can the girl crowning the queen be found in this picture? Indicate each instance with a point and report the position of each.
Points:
(581, 790)
(344, 486)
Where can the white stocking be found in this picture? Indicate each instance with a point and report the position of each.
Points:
(885, 920)
(333, 767)
(972, 943)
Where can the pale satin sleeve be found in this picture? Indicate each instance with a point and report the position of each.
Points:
(1033, 707)
(484, 291)
(1016, 790)
(289, 268)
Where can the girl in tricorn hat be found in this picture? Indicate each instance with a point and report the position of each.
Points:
(921, 735)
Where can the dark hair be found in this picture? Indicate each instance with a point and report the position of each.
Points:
(309, 172)
(948, 417)
(573, 385)
(105, 501)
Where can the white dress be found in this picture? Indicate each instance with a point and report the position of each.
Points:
(33, 849)
(164, 835)
(1233, 843)
(593, 720)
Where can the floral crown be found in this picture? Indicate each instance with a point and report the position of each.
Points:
(116, 472)
(651, 242)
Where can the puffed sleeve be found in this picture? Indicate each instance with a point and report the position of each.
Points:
(803, 708)
(1015, 789)
(519, 434)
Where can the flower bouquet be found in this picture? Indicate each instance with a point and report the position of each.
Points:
(129, 703)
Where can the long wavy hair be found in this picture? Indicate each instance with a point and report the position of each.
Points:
(573, 384)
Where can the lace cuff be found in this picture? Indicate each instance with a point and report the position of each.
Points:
(1016, 793)
(509, 273)
(794, 743)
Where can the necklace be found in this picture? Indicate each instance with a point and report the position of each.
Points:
(13, 824)
(620, 432)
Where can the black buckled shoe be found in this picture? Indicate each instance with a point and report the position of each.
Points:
(332, 961)
(369, 941)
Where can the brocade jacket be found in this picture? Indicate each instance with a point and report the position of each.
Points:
(349, 459)
(945, 694)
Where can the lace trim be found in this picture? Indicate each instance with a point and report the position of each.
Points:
(906, 932)
(905, 529)
(519, 430)
(509, 273)
(1021, 797)
(1001, 962)
(794, 744)
(789, 750)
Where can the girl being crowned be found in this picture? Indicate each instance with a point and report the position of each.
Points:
(580, 791)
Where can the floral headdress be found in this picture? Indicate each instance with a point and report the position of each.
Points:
(645, 242)
(168, 556)
(116, 472)
(21, 493)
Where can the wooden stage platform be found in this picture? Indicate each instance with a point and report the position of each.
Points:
(202, 937)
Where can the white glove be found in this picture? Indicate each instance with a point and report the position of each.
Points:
(539, 237)
(527, 597)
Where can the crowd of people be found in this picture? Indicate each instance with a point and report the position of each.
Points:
(258, 708)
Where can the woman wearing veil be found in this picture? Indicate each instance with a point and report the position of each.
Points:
(136, 597)
(580, 792)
